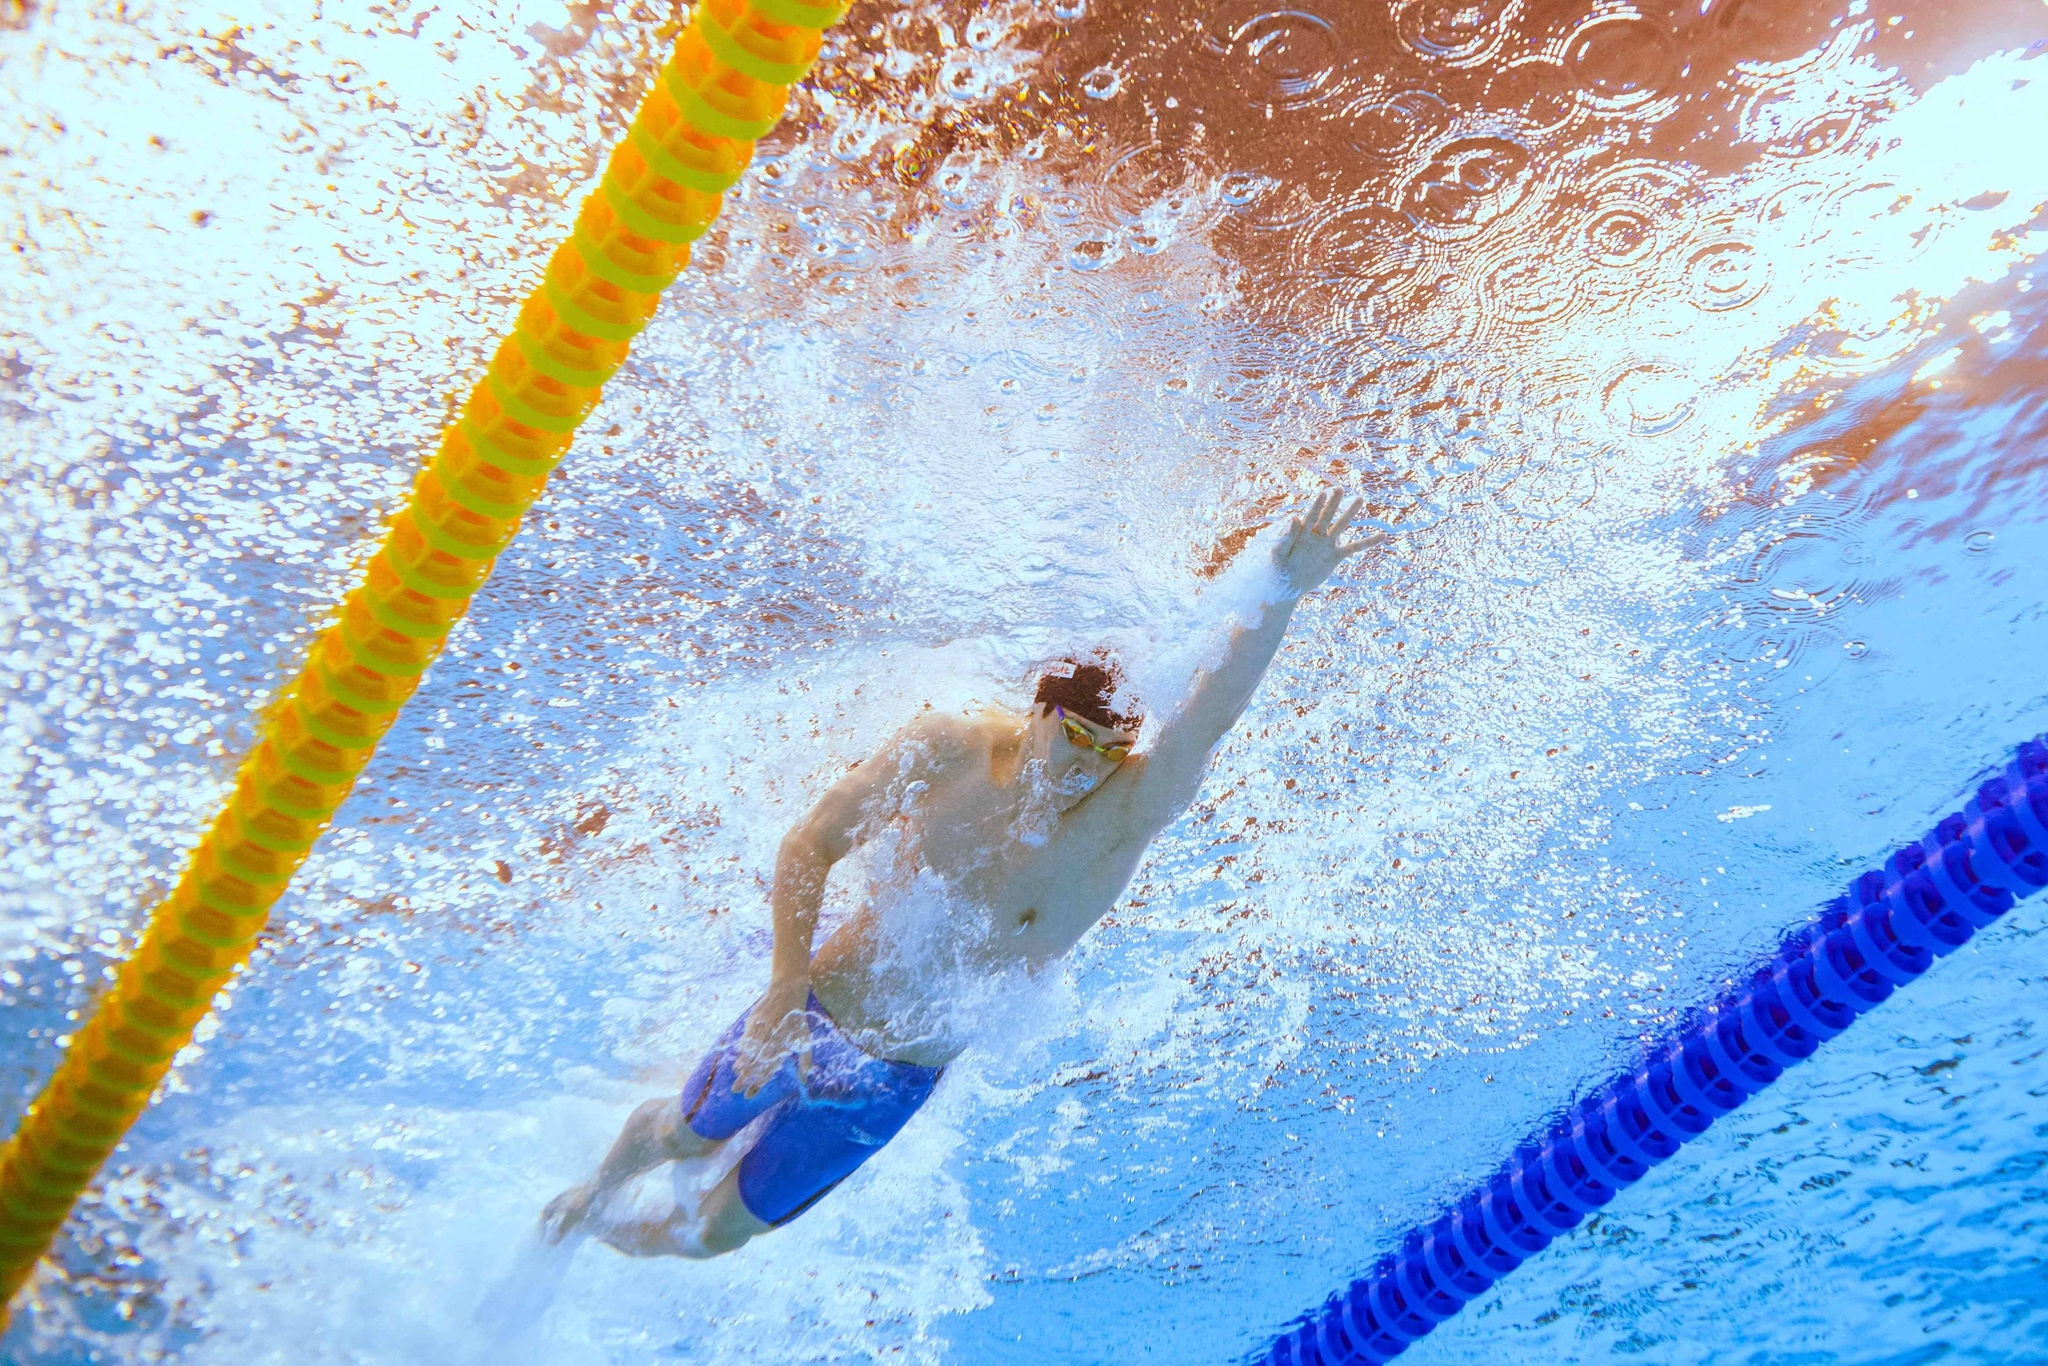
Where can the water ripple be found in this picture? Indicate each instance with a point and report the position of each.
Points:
(1468, 184)
(1622, 60)
(1650, 398)
(1454, 32)
(1384, 130)
(1286, 58)
(1725, 270)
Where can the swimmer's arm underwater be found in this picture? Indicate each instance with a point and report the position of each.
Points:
(803, 862)
(1303, 557)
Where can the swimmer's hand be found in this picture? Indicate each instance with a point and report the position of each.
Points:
(1313, 546)
(779, 1027)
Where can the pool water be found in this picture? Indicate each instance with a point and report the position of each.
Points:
(1692, 356)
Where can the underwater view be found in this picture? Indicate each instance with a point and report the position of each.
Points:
(1688, 363)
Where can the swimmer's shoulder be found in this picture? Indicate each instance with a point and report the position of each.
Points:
(939, 740)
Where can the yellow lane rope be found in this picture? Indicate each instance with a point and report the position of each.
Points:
(724, 86)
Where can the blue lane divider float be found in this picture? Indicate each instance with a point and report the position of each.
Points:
(1926, 901)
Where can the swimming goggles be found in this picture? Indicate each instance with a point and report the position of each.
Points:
(1078, 736)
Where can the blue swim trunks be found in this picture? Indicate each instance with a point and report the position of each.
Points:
(822, 1126)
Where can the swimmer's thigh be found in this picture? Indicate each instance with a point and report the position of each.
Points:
(722, 1220)
(806, 1150)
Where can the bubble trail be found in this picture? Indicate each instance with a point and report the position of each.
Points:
(1925, 902)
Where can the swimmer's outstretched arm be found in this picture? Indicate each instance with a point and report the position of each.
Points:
(1305, 555)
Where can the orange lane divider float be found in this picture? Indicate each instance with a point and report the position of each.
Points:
(724, 86)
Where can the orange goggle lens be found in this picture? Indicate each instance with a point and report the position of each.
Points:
(1081, 739)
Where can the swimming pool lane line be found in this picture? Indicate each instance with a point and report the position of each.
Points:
(1926, 901)
(724, 85)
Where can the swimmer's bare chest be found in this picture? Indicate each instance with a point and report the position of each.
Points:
(1036, 880)
(1024, 886)
(1041, 878)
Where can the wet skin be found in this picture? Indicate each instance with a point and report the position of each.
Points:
(1040, 833)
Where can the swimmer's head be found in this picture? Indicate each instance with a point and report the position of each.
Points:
(1087, 689)
(1077, 737)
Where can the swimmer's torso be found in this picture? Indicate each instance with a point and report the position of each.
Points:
(1026, 872)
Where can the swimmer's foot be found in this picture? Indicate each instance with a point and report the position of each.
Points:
(566, 1212)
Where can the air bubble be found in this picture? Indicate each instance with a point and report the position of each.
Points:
(983, 33)
(1621, 236)
(1143, 182)
(962, 79)
(1103, 83)
(1239, 188)
(1385, 130)
(1062, 206)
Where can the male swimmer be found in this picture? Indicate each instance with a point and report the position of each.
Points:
(1036, 821)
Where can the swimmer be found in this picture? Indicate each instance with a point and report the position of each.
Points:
(1039, 820)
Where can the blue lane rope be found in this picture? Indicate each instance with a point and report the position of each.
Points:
(1926, 901)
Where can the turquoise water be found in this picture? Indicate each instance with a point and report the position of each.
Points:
(1692, 357)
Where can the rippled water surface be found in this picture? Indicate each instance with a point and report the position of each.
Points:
(1692, 354)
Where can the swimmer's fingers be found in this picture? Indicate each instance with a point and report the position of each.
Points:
(1304, 522)
(1346, 512)
(1343, 524)
(1302, 518)
(756, 1067)
(759, 1054)
(1335, 516)
(1291, 537)
(746, 1078)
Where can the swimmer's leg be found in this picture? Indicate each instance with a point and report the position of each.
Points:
(716, 1224)
(655, 1134)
